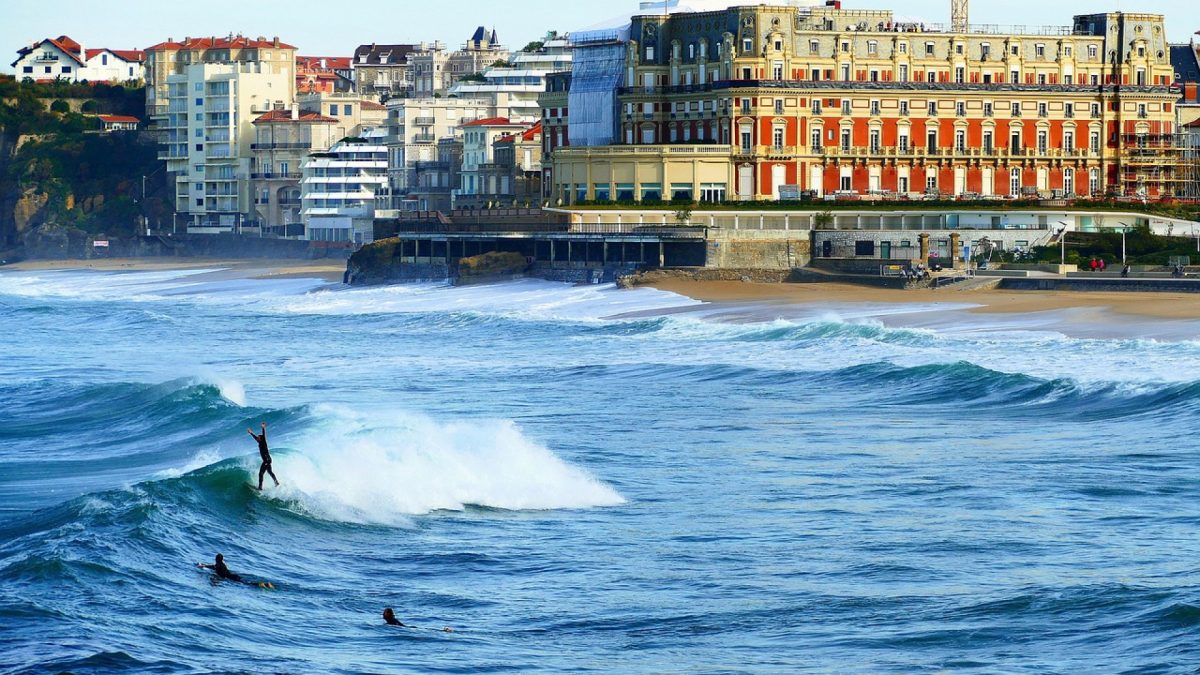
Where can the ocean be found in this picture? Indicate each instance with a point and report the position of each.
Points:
(580, 478)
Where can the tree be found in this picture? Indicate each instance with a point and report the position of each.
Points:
(60, 106)
(823, 220)
(533, 46)
(89, 106)
(683, 215)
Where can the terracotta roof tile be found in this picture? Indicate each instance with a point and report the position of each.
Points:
(114, 119)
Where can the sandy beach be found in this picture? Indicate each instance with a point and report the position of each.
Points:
(1151, 305)
(329, 270)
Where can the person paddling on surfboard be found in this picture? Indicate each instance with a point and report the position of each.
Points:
(266, 455)
(223, 572)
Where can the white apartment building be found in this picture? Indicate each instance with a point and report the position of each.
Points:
(339, 189)
(515, 88)
(205, 96)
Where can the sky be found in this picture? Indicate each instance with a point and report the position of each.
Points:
(323, 28)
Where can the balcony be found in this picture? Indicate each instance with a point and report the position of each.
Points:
(281, 146)
(274, 176)
(424, 121)
(424, 138)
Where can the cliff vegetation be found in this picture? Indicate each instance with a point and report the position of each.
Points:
(56, 168)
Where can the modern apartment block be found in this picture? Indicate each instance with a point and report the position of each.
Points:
(340, 187)
(516, 85)
(751, 102)
(204, 96)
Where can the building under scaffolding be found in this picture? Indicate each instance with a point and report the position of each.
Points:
(1166, 162)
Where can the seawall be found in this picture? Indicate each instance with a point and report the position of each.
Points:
(53, 243)
(1102, 285)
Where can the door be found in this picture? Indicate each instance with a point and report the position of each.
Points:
(778, 177)
(745, 182)
(885, 250)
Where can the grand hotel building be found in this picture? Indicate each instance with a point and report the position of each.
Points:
(738, 103)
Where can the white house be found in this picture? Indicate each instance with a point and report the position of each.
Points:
(50, 59)
(114, 65)
(62, 58)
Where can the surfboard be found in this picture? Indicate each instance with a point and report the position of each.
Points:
(257, 583)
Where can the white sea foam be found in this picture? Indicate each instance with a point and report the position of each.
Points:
(232, 391)
(531, 299)
(353, 469)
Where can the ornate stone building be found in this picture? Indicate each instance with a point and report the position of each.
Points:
(752, 102)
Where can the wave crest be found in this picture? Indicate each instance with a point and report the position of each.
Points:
(351, 469)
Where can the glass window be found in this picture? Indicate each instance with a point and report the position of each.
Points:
(651, 192)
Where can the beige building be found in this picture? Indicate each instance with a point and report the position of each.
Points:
(484, 180)
(204, 95)
(415, 126)
(283, 140)
(434, 69)
(354, 112)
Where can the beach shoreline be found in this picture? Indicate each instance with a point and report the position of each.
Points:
(1153, 305)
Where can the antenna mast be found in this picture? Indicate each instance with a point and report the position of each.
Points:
(958, 16)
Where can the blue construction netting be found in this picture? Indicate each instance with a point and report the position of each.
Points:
(597, 71)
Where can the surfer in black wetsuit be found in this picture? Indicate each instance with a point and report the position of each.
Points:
(266, 455)
(389, 617)
(221, 569)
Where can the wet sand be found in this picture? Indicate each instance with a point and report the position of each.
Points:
(1149, 305)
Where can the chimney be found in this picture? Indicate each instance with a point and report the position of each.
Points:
(276, 41)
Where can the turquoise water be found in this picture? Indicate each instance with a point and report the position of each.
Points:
(581, 478)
